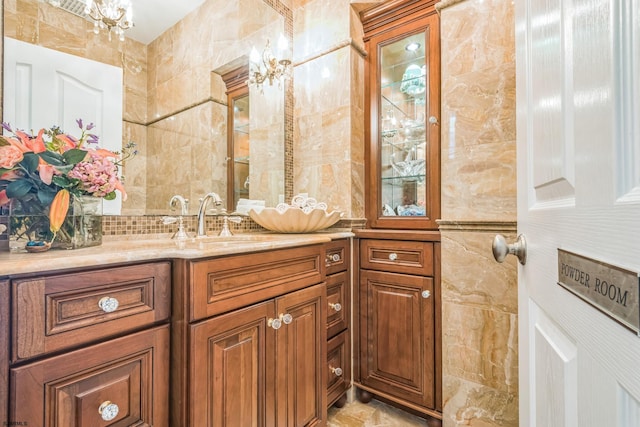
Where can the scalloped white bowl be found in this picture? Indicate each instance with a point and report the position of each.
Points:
(294, 220)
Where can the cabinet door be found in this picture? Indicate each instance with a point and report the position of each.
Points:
(403, 150)
(232, 369)
(301, 351)
(397, 335)
(121, 382)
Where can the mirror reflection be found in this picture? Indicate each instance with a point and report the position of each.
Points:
(174, 102)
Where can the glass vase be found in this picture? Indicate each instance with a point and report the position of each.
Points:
(81, 228)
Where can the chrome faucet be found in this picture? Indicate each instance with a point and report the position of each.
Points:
(203, 210)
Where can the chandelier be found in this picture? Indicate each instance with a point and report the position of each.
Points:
(112, 15)
(268, 67)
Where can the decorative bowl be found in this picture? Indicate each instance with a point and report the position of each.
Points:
(294, 220)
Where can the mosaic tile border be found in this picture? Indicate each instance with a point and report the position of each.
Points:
(287, 13)
(118, 225)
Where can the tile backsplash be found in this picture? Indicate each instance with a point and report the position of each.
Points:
(113, 225)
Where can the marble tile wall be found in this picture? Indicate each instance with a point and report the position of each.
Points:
(329, 105)
(186, 102)
(479, 296)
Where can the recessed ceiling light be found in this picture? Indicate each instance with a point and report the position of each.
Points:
(412, 47)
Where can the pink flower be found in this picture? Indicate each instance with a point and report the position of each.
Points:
(10, 156)
(98, 175)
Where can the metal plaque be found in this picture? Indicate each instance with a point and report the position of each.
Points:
(612, 290)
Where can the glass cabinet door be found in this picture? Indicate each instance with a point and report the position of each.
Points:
(404, 129)
(403, 138)
(240, 149)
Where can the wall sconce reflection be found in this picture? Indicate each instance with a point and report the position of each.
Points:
(267, 67)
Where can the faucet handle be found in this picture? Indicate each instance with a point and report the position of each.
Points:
(184, 204)
(235, 219)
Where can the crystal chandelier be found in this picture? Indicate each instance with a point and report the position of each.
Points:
(268, 67)
(112, 15)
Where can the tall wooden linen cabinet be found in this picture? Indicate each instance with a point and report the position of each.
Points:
(397, 330)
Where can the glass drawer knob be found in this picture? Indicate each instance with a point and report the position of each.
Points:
(426, 294)
(275, 323)
(108, 411)
(393, 256)
(335, 257)
(286, 318)
(335, 306)
(336, 371)
(108, 304)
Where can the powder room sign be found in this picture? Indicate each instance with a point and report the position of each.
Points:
(613, 290)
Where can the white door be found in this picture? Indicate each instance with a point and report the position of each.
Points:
(44, 87)
(578, 112)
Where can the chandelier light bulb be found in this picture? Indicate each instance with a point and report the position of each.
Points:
(254, 56)
(283, 43)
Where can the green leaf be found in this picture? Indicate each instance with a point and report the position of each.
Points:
(110, 196)
(3, 141)
(62, 181)
(18, 189)
(74, 156)
(4, 170)
(30, 162)
(52, 158)
(46, 195)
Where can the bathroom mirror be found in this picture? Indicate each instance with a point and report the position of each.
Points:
(174, 101)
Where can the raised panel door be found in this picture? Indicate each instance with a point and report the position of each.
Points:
(121, 382)
(301, 358)
(397, 335)
(232, 369)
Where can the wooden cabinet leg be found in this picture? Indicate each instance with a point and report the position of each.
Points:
(434, 422)
(364, 396)
(341, 401)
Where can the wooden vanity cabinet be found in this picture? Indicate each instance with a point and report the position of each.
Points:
(90, 348)
(252, 348)
(338, 282)
(398, 319)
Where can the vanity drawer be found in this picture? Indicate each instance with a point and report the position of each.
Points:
(227, 283)
(55, 312)
(338, 300)
(397, 256)
(126, 378)
(337, 256)
(338, 367)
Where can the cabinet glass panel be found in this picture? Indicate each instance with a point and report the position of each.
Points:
(240, 149)
(402, 123)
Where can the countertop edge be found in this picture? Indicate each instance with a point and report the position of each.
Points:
(117, 251)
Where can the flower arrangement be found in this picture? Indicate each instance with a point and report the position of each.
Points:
(36, 170)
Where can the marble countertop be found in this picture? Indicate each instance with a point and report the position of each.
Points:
(150, 247)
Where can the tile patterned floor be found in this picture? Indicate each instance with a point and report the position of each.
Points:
(372, 414)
